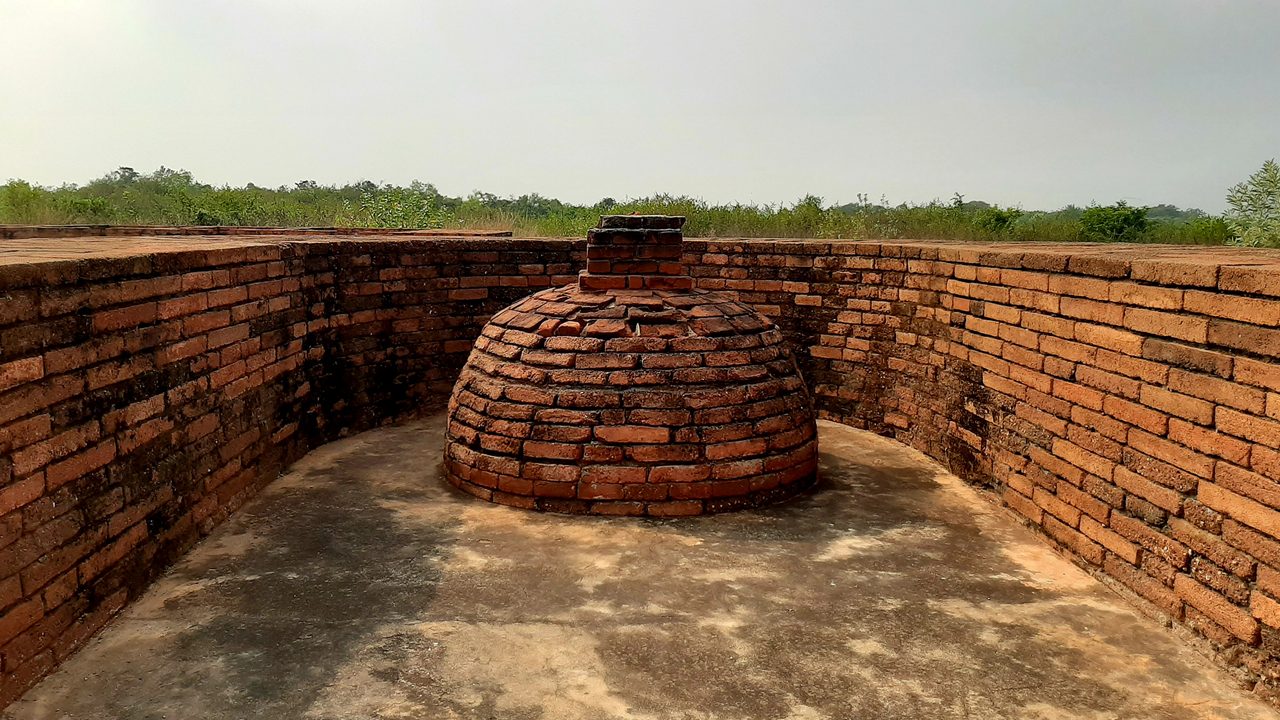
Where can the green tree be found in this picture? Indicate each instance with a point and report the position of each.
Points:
(1113, 223)
(1254, 216)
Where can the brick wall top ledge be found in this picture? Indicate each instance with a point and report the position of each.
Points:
(31, 261)
(1241, 270)
(36, 262)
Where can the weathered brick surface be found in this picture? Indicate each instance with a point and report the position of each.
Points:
(147, 391)
(1125, 400)
(640, 398)
(1121, 399)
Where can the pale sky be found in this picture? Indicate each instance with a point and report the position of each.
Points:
(1036, 103)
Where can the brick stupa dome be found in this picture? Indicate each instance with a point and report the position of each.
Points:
(630, 392)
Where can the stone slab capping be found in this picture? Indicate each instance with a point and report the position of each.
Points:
(636, 252)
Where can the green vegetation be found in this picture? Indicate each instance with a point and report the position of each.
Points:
(174, 197)
(1115, 223)
(1254, 216)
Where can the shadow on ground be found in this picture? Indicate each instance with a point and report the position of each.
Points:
(360, 586)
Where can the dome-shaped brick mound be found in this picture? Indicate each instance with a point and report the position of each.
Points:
(630, 401)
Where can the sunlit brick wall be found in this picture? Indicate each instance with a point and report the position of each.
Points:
(1125, 400)
(144, 397)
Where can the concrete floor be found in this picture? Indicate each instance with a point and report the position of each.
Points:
(360, 586)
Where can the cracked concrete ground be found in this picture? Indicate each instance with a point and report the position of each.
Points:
(360, 586)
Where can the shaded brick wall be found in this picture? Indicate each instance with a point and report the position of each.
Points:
(1123, 400)
(1126, 401)
(143, 399)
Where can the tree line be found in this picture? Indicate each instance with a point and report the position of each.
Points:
(173, 197)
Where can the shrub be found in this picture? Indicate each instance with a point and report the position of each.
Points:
(22, 202)
(1113, 223)
(996, 220)
(397, 207)
(1254, 216)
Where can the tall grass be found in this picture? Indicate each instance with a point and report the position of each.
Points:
(171, 197)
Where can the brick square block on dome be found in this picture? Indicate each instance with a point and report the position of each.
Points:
(631, 393)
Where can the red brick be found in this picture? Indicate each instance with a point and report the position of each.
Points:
(1265, 609)
(679, 473)
(1156, 494)
(125, 318)
(16, 494)
(1147, 296)
(632, 434)
(1176, 455)
(1257, 280)
(1255, 372)
(80, 464)
(1052, 505)
(675, 508)
(1078, 394)
(663, 453)
(1101, 312)
(1215, 390)
(617, 474)
(19, 618)
(552, 451)
(33, 397)
(1121, 341)
(1095, 288)
(1259, 430)
(18, 372)
(1125, 550)
(618, 508)
(1084, 501)
(1135, 414)
(1246, 483)
(1191, 358)
(1079, 544)
(543, 488)
(1165, 324)
(1253, 543)
(606, 360)
(1212, 547)
(1182, 406)
(1235, 619)
(1241, 336)
(739, 449)
(1247, 511)
(1107, 382)
(1022, 505)
(1159, 544)
(1144, 585)
(24, 432)
(1208, 442)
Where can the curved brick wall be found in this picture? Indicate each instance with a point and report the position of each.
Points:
(148, 386)
(1124, 400)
